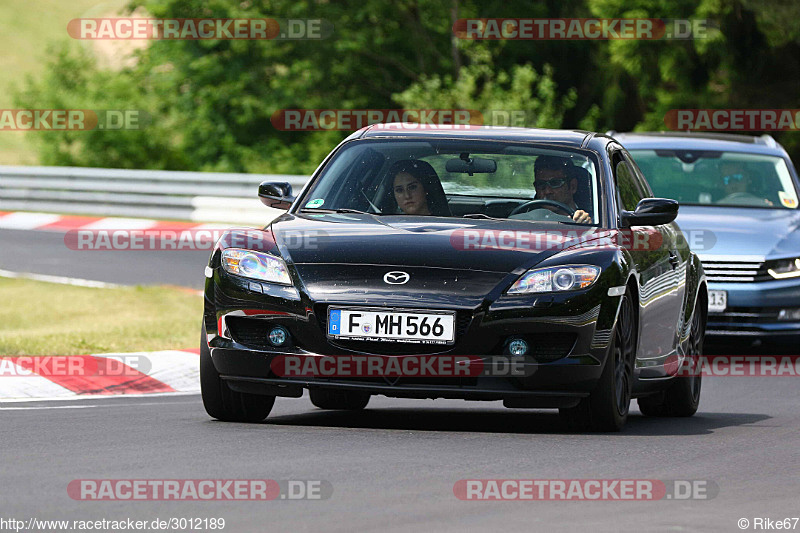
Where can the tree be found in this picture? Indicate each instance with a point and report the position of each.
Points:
(482, 88)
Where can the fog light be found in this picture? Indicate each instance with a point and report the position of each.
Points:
(278, 336)
(518, 347)
(789, 314)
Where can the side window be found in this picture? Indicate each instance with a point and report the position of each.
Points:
(644, 186)
(629, 190)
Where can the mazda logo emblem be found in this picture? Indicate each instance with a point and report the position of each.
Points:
(396, 278)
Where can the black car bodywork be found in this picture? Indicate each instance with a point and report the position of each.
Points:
(572, 335)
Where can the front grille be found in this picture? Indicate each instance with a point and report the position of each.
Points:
(735, 316)
(735, 270)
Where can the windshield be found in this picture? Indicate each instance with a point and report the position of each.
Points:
(718, 178)
(456, 178)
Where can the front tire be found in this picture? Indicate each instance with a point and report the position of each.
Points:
(223, 403)
(339, 400)
(682, 398)
(606, 408)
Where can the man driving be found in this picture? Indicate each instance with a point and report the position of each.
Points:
(736, 184)
(555, 178)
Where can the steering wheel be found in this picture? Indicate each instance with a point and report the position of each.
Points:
(529, 206)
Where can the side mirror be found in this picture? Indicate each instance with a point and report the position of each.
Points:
(651, 212)
(276, 194)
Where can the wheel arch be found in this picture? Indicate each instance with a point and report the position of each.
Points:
(697, 286)
(702, 300)
(632, 286)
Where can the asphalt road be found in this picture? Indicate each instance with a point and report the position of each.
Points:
(44, 252)
(393, 466)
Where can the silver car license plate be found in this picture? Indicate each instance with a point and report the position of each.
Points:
(717, 301)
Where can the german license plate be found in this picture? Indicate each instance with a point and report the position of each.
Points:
(426, 327)
(717, 301)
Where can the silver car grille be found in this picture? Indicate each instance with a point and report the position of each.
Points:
(734, 269)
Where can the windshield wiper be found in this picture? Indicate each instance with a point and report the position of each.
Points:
(573, 223)
(487, 217)
(480, 215)
(340, 210)
(356, 211)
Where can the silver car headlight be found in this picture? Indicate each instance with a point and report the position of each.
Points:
(255, 265)
(555, 279)
(785, 268)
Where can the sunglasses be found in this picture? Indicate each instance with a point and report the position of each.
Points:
(555, 183)
(733, 178)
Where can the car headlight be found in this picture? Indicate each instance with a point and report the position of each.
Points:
(555, 279)
(255, 265)
(785, 268)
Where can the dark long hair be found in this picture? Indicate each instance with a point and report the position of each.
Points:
(426, 175)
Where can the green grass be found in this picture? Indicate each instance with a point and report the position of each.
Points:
(26, 28)
(39, 318)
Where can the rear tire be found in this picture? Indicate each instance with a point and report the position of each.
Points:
(682, 398)
(606, 408)
(223, 403)
(339, 400)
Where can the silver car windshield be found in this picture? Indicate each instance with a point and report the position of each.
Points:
(714, 178)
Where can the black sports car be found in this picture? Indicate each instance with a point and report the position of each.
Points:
(416, 259)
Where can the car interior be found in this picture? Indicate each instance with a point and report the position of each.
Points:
(702, 182)
(368, 187)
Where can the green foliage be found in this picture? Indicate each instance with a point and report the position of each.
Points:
(480, 87)
(72, 80)
(211, 101)
(746, 59)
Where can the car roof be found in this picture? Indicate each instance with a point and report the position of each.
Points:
(573, 138)
(675, 140)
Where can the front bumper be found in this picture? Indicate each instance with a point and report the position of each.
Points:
(569, 337)
(544, 385)
(754, 309)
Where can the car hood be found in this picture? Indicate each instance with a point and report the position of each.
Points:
(419, 241)
(344, 258)
(770, 233)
